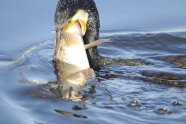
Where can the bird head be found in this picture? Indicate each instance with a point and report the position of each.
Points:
(66, 10)
(76, 24)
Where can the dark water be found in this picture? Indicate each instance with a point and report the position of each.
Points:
(116, 97)
(120, 94)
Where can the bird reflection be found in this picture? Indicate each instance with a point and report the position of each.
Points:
(55, 90)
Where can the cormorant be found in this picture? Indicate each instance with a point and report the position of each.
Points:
(66, 9)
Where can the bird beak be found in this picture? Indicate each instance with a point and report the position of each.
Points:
(81, 17)
(83, 26)
(81, 23)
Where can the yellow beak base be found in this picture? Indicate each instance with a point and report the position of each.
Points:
(71, 22)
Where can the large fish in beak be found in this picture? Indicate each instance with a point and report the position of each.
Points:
(70, 56)
(76, 24)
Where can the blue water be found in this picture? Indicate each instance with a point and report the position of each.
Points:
(150, 31)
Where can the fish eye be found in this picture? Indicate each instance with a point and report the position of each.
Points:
(69, 21)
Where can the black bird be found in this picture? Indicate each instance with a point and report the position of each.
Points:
(66, 9)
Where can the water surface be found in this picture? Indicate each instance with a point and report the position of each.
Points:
(121, 94)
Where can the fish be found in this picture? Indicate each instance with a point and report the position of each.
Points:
(71, 60)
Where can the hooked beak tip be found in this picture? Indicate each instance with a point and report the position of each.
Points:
(83, 26)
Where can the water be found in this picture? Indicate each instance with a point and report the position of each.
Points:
(116, 98)
(121, 94)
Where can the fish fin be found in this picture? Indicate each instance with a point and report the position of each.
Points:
(96, 43)
(89, 73)
(56, 39)
(58, 48)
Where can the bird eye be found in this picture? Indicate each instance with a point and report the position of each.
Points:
(69, 21)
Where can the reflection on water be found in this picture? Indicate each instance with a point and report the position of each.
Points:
(177, 61)
(58, 89)
(135, 94)
(63, 91)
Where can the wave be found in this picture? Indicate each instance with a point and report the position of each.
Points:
(141, 43)
(36, 46)
(107, 33)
